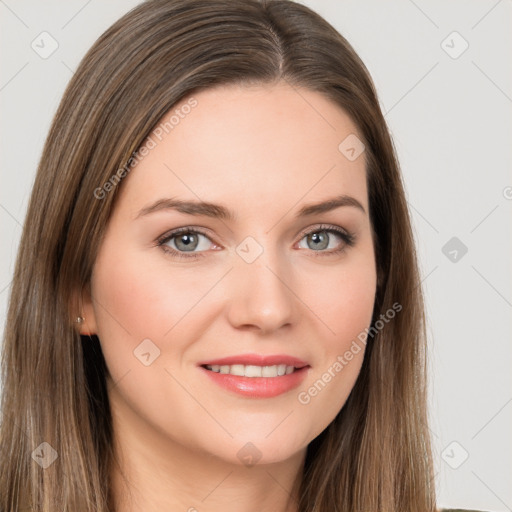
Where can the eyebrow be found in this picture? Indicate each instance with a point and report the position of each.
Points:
(202, 208)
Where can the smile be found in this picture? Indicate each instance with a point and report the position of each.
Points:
(253, 381)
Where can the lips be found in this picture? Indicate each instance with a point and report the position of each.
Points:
(232, 378)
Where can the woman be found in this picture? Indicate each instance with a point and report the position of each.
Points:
(216, 297)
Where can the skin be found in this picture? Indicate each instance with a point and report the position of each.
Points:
(263, 151)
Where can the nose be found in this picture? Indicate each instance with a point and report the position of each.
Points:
(261, 295)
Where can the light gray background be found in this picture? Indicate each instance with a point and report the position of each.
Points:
(451, 123)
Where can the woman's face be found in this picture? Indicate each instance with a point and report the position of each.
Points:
(267, 281)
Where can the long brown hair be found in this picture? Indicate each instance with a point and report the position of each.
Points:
(376, 454)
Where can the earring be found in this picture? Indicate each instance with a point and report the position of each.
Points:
(79, 319)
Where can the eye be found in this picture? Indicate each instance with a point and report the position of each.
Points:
(320, 238)
(181, 242)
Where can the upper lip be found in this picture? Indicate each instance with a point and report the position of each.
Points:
(257, 360)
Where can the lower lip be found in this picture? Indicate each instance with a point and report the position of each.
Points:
(258, 387)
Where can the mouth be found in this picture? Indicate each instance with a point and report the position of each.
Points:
(241, 370)
(256, 376)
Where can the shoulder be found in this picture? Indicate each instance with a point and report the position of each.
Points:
(459, 510)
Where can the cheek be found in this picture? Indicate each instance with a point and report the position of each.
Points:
(137, 299)
(345, 305)
(122, 300)
(343, 299)
(133, 303)
(140, 297)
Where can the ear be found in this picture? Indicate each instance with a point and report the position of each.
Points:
(83, 308)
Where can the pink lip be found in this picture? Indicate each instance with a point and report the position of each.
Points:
(258, 387)
(257, 360)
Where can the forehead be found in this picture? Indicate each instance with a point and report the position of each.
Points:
(254, 146)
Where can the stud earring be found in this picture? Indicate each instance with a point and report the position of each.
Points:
(79, 319)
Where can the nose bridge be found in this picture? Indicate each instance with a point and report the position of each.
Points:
(261, 294)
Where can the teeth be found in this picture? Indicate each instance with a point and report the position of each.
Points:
(252, 370)
(237, 369)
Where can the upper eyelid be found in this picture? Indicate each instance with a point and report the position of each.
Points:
(324, 227)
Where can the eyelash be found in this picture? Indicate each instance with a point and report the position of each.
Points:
(348, 238)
